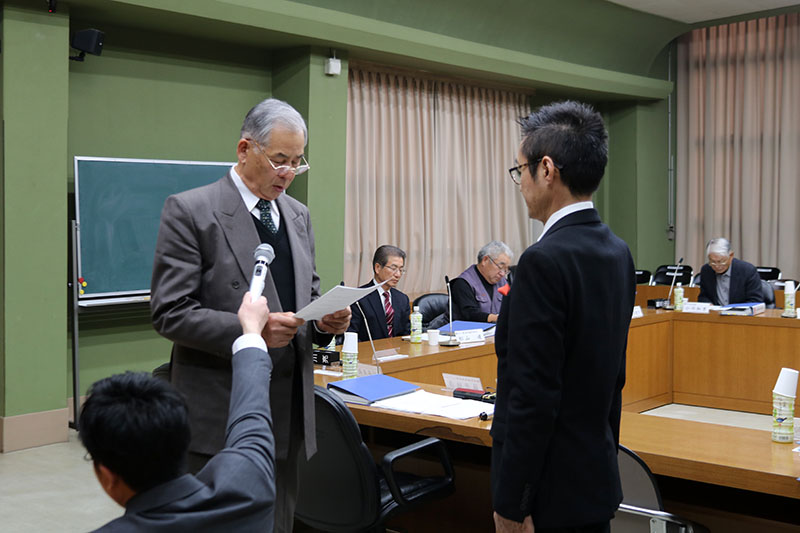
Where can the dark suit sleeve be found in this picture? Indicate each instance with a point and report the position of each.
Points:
(178, 270)
(357, 321)
(705, 285)
(465, 305)
(249, 417)
(752, 284)
(402, 312)
(535, 352)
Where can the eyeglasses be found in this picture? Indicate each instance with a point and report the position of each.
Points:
(719, 263)
(282, 170)
(395, 269)
(502, 268)
(516, 172)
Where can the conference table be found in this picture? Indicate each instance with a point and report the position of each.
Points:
(728, 362)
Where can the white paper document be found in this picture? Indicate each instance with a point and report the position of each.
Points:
(454, 381)
(427, 403)
(335, 299)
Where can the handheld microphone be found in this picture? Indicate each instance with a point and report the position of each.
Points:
(674, 275)
(264, 254)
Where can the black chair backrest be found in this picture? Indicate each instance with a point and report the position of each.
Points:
(768, 294)
(664, 274)
(643, 277)
(431, 305)
(341, 490)
(510, 276)
(768, 273)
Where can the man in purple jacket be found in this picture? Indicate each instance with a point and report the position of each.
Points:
(475, 291)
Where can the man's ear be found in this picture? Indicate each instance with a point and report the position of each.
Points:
(376, 267)
(113, 484)
(241, 150)
(549, 168)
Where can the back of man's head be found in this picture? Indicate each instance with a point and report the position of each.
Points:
(574, 136)
(137, 427)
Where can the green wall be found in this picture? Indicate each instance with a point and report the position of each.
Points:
(165, 97)
(34, 103)
(175, 80)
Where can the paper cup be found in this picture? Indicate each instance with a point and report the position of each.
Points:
(787, 383)
(350, 342)
(433, 337)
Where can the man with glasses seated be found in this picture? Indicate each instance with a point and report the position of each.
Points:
(202, 267)
(725, 280)
(476, 295)
(386, 309)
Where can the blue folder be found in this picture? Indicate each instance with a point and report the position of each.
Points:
(461, 325)
(368, 389)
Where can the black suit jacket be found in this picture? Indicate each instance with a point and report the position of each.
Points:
(236, 489)
(745, 284)
(560, 343)
(376, 317)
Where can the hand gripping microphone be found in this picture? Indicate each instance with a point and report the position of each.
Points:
(263, 255)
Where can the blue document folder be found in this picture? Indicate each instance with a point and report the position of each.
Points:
(368, 389)
(462, 325)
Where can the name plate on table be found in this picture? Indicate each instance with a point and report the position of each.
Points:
(470, 335)
(637, 312)
(696, 307)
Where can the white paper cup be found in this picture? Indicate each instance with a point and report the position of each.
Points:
(433, 337)
(787, 383)
(350, 342)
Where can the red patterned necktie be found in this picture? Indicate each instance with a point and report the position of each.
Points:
(387, 306)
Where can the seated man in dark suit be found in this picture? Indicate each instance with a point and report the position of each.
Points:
(136, 429)
(475, 291)
(725, 280)
(386, 309)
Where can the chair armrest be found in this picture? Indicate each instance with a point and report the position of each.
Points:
(387, 465)
(687, 526)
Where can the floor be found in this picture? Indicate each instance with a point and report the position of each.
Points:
(52, 488)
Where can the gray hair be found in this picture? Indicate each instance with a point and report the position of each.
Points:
(493, 249)
(718, 245)
(264, 116)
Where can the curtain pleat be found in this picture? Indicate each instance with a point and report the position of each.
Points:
(739, 141)
(426, 171)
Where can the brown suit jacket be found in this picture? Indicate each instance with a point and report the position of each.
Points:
(203, 265)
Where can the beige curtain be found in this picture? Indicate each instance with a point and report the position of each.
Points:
(739, 141)
(427, 168)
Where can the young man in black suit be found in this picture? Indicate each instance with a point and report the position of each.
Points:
(136, 429)
(726, 280)
(561, 338)
(387, 309)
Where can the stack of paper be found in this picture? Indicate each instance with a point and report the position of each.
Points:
(427, 403)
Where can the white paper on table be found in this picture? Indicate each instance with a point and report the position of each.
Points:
(454, 381)
(366, 370)
(333, 373)
(335, 299)
(416, 402)
(465, 409)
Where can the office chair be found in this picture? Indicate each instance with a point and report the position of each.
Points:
(769, 273)
(431, 305)
(643, 277)
(641, 508)
(664, 274)
(768, 294)
(342, 489)
(510, 276)
(163, 371)
(695, 280)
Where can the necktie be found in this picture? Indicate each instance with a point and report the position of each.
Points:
(266, 216)
(387, 306)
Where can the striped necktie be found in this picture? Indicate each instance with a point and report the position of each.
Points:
(387, 307)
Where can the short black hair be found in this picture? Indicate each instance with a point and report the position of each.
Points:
(384, 252)
(137, 426)
(574, 136)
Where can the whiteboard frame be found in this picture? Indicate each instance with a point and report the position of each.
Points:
(77, 242)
